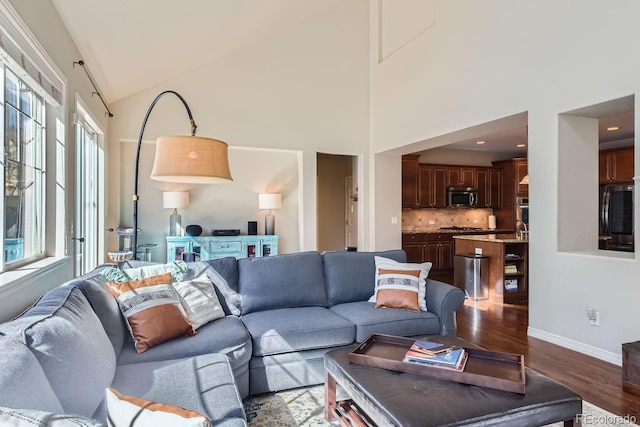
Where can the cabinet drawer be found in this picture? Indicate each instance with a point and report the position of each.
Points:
(413, 237)
(439, 237)
(225, 247)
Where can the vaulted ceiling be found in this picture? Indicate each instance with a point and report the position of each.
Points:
(129, 45)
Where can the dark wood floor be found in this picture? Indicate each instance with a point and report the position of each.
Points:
(504, 328)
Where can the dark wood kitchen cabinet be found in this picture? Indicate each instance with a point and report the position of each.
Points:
(489, 183)
(410, 168)
(616, 165)
(436, 248)
(463, 176)
(513, 171)
(432, 186)
(439, 250)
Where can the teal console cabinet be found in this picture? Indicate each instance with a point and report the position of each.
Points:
(205, 248)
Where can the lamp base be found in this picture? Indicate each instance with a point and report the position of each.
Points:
(269, 224)
(175, 224)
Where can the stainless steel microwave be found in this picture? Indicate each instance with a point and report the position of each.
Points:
(462, 197)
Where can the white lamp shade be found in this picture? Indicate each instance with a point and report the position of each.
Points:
(525, 180)
(269, 201)
(175, 199)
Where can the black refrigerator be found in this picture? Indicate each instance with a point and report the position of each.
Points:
(616, 217)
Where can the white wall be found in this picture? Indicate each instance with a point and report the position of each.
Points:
(487, 59)
(302, 91)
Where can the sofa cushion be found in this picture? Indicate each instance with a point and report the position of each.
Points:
(223, 273)
(370, 320)
(105, 305)
(129, 410)
(31, 417)
(152, 309)
(226, 335)
(79, 362)
(295, 329)
(282, 281)
(20, 375)
(199, 300)
(350, 276)
(203, 384)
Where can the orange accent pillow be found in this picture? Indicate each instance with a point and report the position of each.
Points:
(152, 309)
(397, 291)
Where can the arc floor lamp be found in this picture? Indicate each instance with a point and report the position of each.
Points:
(182, 159)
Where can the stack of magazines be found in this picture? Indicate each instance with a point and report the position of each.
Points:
(437, 355)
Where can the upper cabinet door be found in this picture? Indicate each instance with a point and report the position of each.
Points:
(461, 176)
(410, 182)
(521, 171)
(616, 165)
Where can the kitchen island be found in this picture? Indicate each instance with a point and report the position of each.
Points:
(508, 264)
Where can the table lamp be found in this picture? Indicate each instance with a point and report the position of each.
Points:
(175, 200)
(269, 201)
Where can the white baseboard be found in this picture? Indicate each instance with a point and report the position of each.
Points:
(589, 350)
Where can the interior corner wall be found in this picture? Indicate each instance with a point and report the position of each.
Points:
(303, 90)
(577, 209)
(489, 59)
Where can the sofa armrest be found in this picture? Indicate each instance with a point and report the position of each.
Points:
(443, 300)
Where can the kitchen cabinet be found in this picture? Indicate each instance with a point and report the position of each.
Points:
(521, 170)
(436, 248)
(432, 186)
(410, 169)
(616, 165)
(439, 252)
(463, 176)
(489, 184)
(513, 171)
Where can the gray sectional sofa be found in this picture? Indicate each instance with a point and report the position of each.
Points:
(282, 314)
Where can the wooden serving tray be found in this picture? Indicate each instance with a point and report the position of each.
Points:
(492, 369)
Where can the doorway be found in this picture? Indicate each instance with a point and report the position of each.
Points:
(337, 202)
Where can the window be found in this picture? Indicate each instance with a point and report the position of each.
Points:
(24, 148)
(32, 95)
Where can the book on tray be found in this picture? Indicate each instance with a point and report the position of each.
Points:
(436, 355)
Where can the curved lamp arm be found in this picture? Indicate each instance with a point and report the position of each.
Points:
(135, 188)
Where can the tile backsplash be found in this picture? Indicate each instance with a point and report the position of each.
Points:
(433, 219)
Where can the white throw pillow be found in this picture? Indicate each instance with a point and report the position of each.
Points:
(133, 411)
(178, 270)
(199, 300)
(389, 264)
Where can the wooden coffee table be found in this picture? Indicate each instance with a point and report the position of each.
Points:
(390, 398)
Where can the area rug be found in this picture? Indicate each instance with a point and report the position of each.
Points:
(305, 407)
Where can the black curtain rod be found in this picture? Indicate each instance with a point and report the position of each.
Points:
(81, 63)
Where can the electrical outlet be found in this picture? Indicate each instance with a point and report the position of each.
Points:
(594, 316)
(394, 220)
(431, 222)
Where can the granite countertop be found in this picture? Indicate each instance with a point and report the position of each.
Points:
(497, 238)
(458, 231)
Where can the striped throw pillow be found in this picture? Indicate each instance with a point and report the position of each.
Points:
(403, 285)
(152, 309)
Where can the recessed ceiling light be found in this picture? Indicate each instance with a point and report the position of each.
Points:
(521, 145)
(480, 142)
(613, 128)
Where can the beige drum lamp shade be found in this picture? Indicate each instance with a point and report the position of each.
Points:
(191, 160)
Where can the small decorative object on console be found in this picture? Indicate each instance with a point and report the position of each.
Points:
(193, 230)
